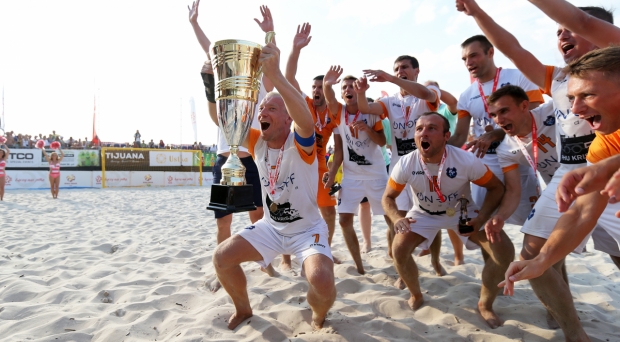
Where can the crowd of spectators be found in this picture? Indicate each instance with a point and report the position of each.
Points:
(28, 141)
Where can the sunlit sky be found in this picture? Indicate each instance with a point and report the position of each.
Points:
(142, 60)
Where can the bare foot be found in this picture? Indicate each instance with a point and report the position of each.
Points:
(489, 316)
(360, 270)
(439, 270)
(400, 284)
(551, 322)
(317, 322)
(414, 303)
(215, 285)
(424, 252)
(285, 266)
(336, 260)
(238, 318)
(458, 261)
(365, 247)
(269, 270)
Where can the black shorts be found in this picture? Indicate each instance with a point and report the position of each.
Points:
(251, 176)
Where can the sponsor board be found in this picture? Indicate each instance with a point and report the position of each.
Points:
(75, 179)
(16, 179)
(141, 178)
(97, 179)
(180, 178)
(172, 158)
(209, 159)
(114, 179)
(121, 159)
(24, 158)
(207, 178)
(75, 158)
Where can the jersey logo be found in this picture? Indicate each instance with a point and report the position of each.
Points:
(529, 217)
(284, 213)
(504, 84)
(451, 172)
(405, 146)
(574, 149)
(356, 158)
(250, 227)
(550, 121)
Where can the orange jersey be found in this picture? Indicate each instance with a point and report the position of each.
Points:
(324, 124)
(604, 146)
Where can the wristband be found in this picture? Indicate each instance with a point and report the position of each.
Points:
(209, 81)
(305, 142)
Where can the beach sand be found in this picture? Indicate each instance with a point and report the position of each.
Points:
(135, 264)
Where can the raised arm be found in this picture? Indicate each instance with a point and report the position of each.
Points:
(449, 100)
(62, 155)
(47, 157)
(505, 42)
(267, 26)
(332, 77)
(7, 152)
(209, 83)
(596, 31)
(301, 40)
(461, 131)
(361, 86)
(204, 42)
(414, 88)
(295, 104)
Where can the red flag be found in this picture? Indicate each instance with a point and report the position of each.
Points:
(95, 139)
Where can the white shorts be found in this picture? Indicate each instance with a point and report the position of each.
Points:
(606, 235)
(542, 219)
(262, 236)
(428, 226)
(404, 201)
(353, 192)
(529, 194)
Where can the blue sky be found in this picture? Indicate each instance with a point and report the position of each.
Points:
(142, 60)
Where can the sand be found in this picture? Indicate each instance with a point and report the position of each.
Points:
(134, 264)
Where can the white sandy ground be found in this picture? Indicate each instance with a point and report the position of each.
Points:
(149, 251)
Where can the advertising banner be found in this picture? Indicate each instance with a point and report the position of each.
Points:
(140, 178)
(124, 159)
(180, 178)
(75, 179)
(207, 178)
(172, 158)
(16, 179)
(74, 158)
(24, 158)
(115, 179)
(209, 159)
(97, 179)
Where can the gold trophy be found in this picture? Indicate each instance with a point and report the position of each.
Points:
(238, 74)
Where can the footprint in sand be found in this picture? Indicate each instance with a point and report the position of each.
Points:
(106, 297)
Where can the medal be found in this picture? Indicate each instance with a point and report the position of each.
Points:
(404, 134)
(273, 173)
(406, 114)
(273, 207)
(436, 183)
(450, 211)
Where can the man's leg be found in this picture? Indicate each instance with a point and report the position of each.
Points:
(497, 257)
(329, 215)
(402, 247)
(457, 245)
(227, 259)
(553, 291)
(435, 249)
(319, 271)
(350, 238)
(365, 218)
(616, 260)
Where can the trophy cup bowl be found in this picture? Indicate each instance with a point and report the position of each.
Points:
(238, 75)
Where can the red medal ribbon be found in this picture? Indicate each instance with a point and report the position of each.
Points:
(484, 99)
(346, 116)
(318, 120)
(406, 114)
(273, 176)
(437, 184)
(534, 162)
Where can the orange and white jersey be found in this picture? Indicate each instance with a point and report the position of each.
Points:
(323, 129)
(574, 135)
(403, 132)
(510, 155)
(362, 158)
(460, 168)
(604, 146)
(295, 188)
(222, 145)
(471, 104)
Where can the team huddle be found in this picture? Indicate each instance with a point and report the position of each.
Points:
(436, 180)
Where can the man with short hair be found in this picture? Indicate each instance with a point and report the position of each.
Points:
(478, 54)
(358, 148)
(573, 134)
(440, 177)
(403, 109)
(594, 90)
(325, 123)
(292, 225)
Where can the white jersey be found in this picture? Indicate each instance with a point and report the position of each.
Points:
(295, 189)
(403, 132)
(573, 134)
(222, 145)
(460, 168)
(362, 158)
(509, 152)
(471, 104)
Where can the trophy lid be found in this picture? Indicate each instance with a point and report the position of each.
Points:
(237, 41)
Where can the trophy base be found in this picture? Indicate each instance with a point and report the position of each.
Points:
(463, 227)
(235, 199)
(334, 189)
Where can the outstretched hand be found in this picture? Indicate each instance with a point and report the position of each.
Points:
(493, 227)
(267, 24)
(333, 75)
(579, 182)
(361, 85)
(467, 6)
(520, 270)
(612, 189)
(193, 12)
(378, 75)
(270, 59)
(303, 37)
(403, 226)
